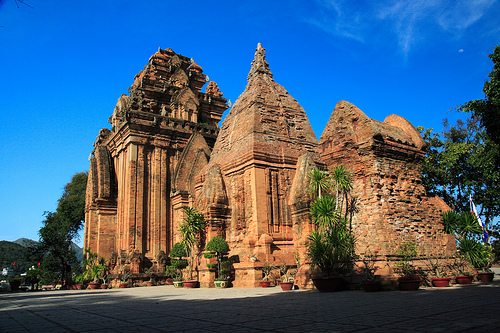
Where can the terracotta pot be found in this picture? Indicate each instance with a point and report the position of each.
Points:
(148, 284)
(221, 284)
(372, 286)
(104, 286)
(178, 284)
(464, 279)
(265, 284)
(190, 284)
(77, 286)
(485, 277)
(330, 284)
(409, 283)
(169, 281)
(94, 285)
(286, 286)
(123, 285)
(440, 282)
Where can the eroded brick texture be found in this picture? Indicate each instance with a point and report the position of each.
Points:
(253, 186)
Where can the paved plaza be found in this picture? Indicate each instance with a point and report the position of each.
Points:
(167, 309)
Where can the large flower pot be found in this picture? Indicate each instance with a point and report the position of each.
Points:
(265, 284)
(94, 285)
(440, 282)
(330, 284)
(77, 286)
(190, 284)
(485, 277)
(464, 279)
(408, 283)
(169, 281)
(104, 286)
(178, 284)
(221, 284)
(286, 286)
(123, 285)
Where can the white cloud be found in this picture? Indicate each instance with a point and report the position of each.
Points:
(407, 23)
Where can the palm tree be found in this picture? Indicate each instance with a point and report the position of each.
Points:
(319, 182)
(192, 230)
(342, 181)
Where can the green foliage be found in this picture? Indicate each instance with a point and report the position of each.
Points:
(323, 212)
(11, 253)
(95, 268)
(407, 252)
(488, 109)
(192, 230)
(217, 245)
(178, 251)
(60, 227)
(478, 254)
(319, 182)
(331, 247)
(462, 225)
(465, 159)
(267, 268)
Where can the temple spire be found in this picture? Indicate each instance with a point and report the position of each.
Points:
(259, 64)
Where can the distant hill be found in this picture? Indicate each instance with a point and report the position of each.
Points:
(26, 242)
(17, 251)
(10, 253)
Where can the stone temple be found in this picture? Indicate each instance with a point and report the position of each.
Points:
(249, 177)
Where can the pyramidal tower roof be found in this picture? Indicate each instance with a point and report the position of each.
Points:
(265, 120)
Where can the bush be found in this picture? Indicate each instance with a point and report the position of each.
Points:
(179, 250)
(218, 245)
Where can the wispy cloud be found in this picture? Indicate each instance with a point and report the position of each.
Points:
(403, 23)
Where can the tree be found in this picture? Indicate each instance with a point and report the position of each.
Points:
(192, 230)
(61, 227)
(488, 109)
(464, 160)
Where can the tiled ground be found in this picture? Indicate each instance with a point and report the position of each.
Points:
(166, 309)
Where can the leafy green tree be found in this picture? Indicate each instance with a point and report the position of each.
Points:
(319, 182)
(488, 109)
(464, 159)
(61, 227)
(192, 230)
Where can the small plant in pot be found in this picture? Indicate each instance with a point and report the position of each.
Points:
(170, 273)
(125, 277)
(463, 271)
(287, 277)
(409, 278)
(371, 282)
(267, 269)
(219, 248)
(192, 230)
(152, 277)
(178, 263)
(94, 266)
(437, 271)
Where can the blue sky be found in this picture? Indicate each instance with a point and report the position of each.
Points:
(65, 63)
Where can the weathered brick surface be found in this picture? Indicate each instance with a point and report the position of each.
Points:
(252, 188)
(384, 159)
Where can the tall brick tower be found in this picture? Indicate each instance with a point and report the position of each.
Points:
(139, 177)
(249, 183)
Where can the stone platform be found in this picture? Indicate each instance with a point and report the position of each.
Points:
(166, 309)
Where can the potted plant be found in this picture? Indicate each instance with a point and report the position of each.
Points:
(409, 278)
(125, 277)
(267, 269)
(286, 277)
(192, 230)
(223, 274)
(93, 269)
(218, 248)
(438, 273)
(371, 282)
(331, 246)
(103, 275)
(463, 271)
(78, 282)
(170, 273)
(178, 263)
